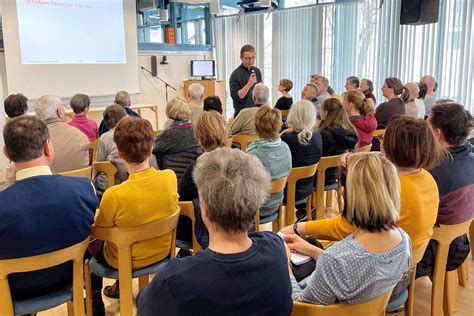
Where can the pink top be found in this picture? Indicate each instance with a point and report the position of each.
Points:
(85, 125)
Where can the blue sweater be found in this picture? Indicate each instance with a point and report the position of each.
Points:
(39, 215)
(253, 282)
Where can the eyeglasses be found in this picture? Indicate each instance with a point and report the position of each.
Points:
(248, 58)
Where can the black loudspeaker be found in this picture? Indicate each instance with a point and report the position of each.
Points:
(418, 12)
(154, 69)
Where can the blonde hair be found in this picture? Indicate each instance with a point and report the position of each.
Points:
(211, 130)
(287, 84)
(336, 117)
(301, 119)
(364, 105)
(178, 109)
(372, 192)
(268, 123)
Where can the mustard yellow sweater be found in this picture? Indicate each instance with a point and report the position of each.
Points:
(145, 197)
(418, 211)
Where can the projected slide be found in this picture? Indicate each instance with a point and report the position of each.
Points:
(71, 31)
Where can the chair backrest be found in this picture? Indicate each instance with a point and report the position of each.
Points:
(93, 147)
(375, 307)
(417, 254)
(84, 172)
(74, 253)
(108, 168)
(277, 186)
(187, 209)
(365, 148)
(229, 142)
(156, 133)
(324, 164)
(378, 132)
(244, 140)
(284, 112)
(296, 174)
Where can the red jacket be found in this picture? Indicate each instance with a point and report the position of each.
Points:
(365, 125)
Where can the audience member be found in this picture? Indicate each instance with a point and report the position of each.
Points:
(80, 104)
(397, 96)
(240, 273)
(310, 92)
(352, 83)
(243, 79)
(274, 155)
(107, 149)
(455, 179)
(122, 98)
(414, 107)
(305, 146)
(71, 146)
(370, 261)
(361, 113)
(244, 122)
(337, 133)
(41, 212)
(411, 145)
(195, 92)
(213, 103)
(323, 85)
(367, 88)
(176, 147)
(430, 97)
(132, 203)
(285, 101)
(15, 105)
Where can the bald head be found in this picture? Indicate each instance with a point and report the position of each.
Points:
(122, 98)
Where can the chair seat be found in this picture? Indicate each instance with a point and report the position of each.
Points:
(397, 302)
(268, 218)
(99, 269)
(181, 244)
(43, 302)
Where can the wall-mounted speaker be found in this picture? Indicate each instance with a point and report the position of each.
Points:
(417, 12)
(154, 69)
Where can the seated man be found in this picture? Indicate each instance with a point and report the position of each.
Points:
(71, 146)
(40, 212)
(455, 179)
(240, 273)
(244, 122)
(310, 92)
(122, 98)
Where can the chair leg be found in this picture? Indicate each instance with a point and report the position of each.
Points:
(87, 276)
(411, 295)
(463, 273)
(329, 198)
(450, 298)
(70, 308)
(438, 280)
(471, 238)
(143, 282)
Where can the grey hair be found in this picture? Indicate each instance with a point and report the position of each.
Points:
(260, 94)
(79, 102)
(122, 98)
(233, 185)
(301, 119)
(195, 91)
(314, 87)
(324, 81)
(46, 107)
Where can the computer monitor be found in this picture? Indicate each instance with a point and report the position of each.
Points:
(203, 68)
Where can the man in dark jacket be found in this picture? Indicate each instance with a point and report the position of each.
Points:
(455, 179)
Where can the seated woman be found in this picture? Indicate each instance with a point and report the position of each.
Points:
(132, 203)
(176, 147)
(107, 149)
(337, 133)
(212, 103)
(285, 101)
(240, 273)
(273, 153)
(367, 88)
(397, 95)
(305, 145)
(361, 113)
(370, 261)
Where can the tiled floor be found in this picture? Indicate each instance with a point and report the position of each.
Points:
(422, 298)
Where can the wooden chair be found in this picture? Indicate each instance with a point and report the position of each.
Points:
(278, 186)
(74, 298)
(124, 238)
(244, 140)
(84, 172)
(471, 238)
(295, 175)
(365, 148)
(444, 291)
(156, 133)
(93, 148)
(187, 209)
(375, 307)
(378, 132)
(284, 112)
(318, 198)
(229, 142)
(108, 168)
